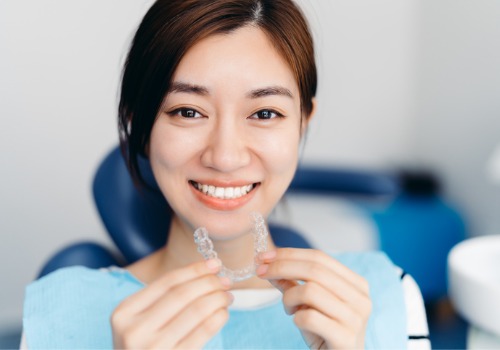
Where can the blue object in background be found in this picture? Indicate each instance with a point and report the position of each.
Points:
(417, 230)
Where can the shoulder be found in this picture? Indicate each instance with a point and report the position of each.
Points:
(78, 283)
(369, 264)
(394, 294)
(361, 257)
(72, 273)
(57, 305)
(81, 275)
(380, 273)
(77, 278)
(71, 286)
(387, 323)
(62, 278)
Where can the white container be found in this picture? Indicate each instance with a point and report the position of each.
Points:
(474, 281)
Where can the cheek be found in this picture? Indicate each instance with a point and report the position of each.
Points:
(171, 152)
(170, 148)
(279, 152)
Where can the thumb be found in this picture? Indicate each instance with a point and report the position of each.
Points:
(283, 285)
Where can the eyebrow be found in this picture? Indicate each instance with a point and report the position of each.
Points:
(178, 86)
(182, 87)
(270, 91)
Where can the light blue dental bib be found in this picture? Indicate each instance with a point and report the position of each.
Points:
(71, 307)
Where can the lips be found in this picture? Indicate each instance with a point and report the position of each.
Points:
(223, 192)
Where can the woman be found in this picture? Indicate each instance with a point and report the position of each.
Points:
(217, 95)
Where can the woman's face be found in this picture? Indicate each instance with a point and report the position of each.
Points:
(226, 141)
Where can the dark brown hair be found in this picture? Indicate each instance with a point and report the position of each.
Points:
(171, 27)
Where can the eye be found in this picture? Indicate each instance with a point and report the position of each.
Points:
(187, 113)
(266, 114)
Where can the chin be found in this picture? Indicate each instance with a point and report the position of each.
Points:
(232, 227)
(227, 225)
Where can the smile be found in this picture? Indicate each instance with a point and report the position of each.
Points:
(223, 192)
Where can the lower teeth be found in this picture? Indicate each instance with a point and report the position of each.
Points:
(206, 248)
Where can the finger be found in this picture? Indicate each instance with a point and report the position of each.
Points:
(309, 271)
(335, 335)
(179, 298)
(317, 257)
(205, 330)
(314, 296)
(190, 319)
(151, 293)
(283, 285)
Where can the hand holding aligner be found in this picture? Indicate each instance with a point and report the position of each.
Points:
(206, 248)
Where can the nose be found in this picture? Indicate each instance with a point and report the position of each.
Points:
(227, 148)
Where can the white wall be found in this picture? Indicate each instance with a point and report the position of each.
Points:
(367, 81)
(59, 69)
(458, 103)
(388, 80)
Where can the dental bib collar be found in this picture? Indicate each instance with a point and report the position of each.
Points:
(206, 248)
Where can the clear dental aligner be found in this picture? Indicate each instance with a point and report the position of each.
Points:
(206, 248)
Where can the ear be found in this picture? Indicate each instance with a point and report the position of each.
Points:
(308, 118)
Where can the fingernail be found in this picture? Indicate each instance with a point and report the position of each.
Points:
(267, 255)
(262, 269)
(231, 297)
(225, 281)
(213, 264)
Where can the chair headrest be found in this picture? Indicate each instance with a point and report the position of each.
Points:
(132, 218)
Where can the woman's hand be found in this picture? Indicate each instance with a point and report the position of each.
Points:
(182, 309)
(331, 307)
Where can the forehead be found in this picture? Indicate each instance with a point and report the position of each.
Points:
(245, 58)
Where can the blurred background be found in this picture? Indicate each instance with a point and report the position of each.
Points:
(406, 87)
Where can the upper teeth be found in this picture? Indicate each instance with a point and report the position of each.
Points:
(224, 192)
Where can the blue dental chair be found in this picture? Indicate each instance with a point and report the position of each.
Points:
(137, 221)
